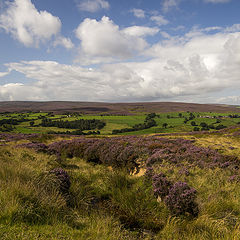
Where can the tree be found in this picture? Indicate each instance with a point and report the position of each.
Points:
(203, 124)
(165, 125)
(180, 115)
(193, 123)
(31, 123)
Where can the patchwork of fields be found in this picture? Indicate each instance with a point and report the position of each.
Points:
(174, 122)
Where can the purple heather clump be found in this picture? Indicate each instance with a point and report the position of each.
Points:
(128, 151)
(234, 178)
(39, 147)
(184, 171)
(181, 199)
(161, 185)
(63, 178)
(149, 173)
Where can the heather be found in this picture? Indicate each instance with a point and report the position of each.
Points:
(125, 187)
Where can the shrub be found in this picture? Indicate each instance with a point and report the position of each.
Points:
(161, 185)
(193, 123)
(181, 199)
(63, 179)
(203, 124)
(149, 173)
(220, 126)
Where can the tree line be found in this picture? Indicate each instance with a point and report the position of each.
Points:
(81, 124)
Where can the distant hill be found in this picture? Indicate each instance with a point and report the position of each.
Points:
(112, 108)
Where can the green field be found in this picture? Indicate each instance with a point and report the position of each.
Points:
(173, 121)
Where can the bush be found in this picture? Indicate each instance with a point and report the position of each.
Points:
(220, 126)
(193, 123)
(203, 125)
(63, 179)
(161, 185)
(181, 199)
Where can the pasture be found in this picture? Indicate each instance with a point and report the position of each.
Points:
(174, 123)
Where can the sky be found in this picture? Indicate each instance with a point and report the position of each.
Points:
(120, 51)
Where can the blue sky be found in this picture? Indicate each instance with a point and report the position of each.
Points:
(120, 51)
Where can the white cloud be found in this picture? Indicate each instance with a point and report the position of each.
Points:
(139, 31)
(93, 5)
(139, 13)
(168, 4)
(62, 41)
(189, 68)
(217, 1)
(103, 41)
(3, 74)
(233, 28)
(27, 24)
(159, 20)
(229, 100)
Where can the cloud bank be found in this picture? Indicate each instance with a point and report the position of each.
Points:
(181, 68)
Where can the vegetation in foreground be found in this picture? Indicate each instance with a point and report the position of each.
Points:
(120, 188)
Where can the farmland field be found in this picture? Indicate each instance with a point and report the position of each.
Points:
(173, 121)
(167, 181)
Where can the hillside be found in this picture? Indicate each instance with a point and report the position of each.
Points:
(112, 108)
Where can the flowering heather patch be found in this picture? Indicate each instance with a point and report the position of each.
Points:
(38, 147)
(149, 173)
(184, 171)
(161, 185)
(128, 151)
(63, 178)
(234, 178)
(9, 137)
(177, 151)
(181, 199)
(236, 133)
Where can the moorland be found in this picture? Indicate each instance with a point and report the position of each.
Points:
(119, 171)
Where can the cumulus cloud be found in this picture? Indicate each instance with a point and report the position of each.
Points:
(139, 31)
(93, 5)
(28, 25)
(62, 41)
(103, 41)
(55, 81)
(185, 68)
(159, 20)
(139, 13)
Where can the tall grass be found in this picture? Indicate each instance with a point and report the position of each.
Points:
(103, 203)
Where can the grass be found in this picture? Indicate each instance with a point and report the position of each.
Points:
(174, 122)
(107, 204)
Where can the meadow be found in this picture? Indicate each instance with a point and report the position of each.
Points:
(158, 183)
(172, 119)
